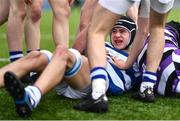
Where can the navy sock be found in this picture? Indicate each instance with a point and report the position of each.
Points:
(149, 80)
(14, 55)
(98, 78)
(28, 51)
(98, 73)
(149, 77)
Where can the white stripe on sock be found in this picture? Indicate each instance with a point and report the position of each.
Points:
(35, 95)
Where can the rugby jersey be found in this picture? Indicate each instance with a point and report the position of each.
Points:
(168, 73)
(120, 80)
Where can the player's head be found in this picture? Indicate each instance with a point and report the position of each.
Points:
(123, 33)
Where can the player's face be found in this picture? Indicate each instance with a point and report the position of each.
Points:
(120, 37)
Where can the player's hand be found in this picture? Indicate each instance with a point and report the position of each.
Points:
(119, 63)
(28, 1)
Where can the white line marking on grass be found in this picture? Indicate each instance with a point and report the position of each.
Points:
(43, 35)
(4, 59)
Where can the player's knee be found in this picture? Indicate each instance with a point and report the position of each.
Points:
(36, 14)
(83, 25)
(61, 51)
(18, 13)
(33, 55)
(74, 65)
(38, 58)
(62, 12)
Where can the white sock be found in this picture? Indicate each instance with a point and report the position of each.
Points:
(144, 85)
(35, 95)
(98, 88)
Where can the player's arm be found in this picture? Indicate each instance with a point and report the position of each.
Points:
(138, 43)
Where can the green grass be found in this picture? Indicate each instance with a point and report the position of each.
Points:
(56, 107)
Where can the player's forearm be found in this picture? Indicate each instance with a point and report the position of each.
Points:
(137, 46)
(135, 50)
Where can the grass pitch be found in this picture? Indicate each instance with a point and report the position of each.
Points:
(53, 107)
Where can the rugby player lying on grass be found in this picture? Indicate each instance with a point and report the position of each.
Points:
(168, 73)
(69, 72)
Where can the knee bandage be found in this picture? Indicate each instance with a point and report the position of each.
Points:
(48, 54)
(77, 65)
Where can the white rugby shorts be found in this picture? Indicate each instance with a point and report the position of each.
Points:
(117, 6)
(162, 6)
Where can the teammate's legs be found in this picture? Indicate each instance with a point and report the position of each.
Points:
(14, 35)
(85, 20)
(60, 26)
(98, 30)
(32, 25)
(158, 18)
(110, 11)
(133, 12)
(158, 15)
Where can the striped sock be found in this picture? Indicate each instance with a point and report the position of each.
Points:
(98, 77)
(14, 55)
(28, 51)
(34, 94)
(149, 79)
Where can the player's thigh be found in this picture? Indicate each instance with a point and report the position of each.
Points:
(4, 10)
(102, 20)
(4, 5)
(144, 9)
(133, 12)
(17, 5)
(87, 11)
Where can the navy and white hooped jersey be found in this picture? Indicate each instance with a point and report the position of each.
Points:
(168, 73)
(120, 80)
